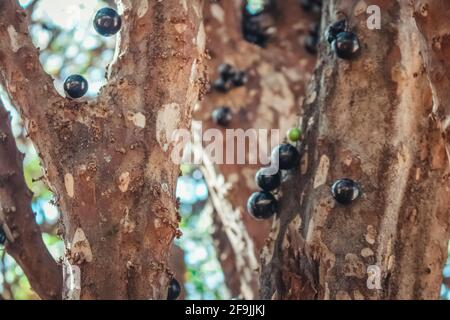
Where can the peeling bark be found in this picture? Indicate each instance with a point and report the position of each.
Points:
(108, 159)
(277, 77)
(432, 20)
(24, 240)
(246, 263)
(226, 256)
(382, 120)
(368, 120)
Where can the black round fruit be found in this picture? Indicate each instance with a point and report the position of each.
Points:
(174, 290)
(2, 236)
(262, 205)
(222, 116)
(310, 44)
(225, 71)
(107, 22)
(76, 86)
(253, 30)
(286, 155)
(314, 29)
(334, 29)
(256, 37)
(267, 179)
(239, 78)
(344, 191)
(221, 85)
(346, 45)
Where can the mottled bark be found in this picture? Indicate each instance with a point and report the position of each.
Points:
(432, 20)
(368, 120)
(270, 100)
(226, 256)
(108, 159)
(178, 267)
(24, 240)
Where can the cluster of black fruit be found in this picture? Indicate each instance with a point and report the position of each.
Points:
(107, 22)
(262, 204)
(174, 290)
(229, 78)
(2, 236)
(343, 42)
(311, 5)
(257, 21)
(222, 116)
(312, 39)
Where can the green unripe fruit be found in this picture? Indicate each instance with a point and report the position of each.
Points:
(294, 134)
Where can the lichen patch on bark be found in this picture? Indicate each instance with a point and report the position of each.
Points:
(124, 181)
(79, 250)
(166, 123)
(70, 184)
(13, 35)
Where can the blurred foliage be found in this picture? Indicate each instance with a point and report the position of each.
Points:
(445, 288)
(204, 278)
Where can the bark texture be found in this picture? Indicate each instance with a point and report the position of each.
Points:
(432, 20)
(108, 159)
(24, 240)
(368, 120)
(178, 267)
(277, 75)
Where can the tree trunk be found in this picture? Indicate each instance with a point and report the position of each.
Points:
(108, 160)
(381, 119)
(277, 76)
(434, 36)
(368, 120)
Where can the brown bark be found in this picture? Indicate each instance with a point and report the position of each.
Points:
(368, 120)
(108, 159)
(226, 256)
(24, 240)
(432, 20)
(277, 77)
(176, 263)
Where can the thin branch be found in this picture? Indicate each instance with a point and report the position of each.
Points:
(24, 241)
(234, 227)
(30, 9)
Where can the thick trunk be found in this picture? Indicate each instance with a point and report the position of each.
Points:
(368, 120)
(108, 160)
(277, 75)
(381, 119)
